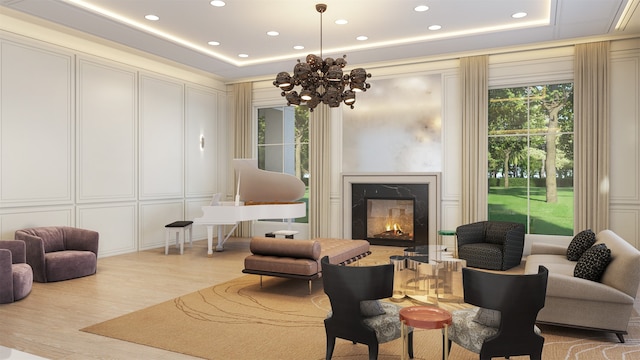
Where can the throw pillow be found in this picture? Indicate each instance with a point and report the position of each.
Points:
(593, 263)
(370, 308)
(580, 243)
(488, 317)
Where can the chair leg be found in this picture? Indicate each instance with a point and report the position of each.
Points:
(373, 351)
(620, 337)
(331, 343)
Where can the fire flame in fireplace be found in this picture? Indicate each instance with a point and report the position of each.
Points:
(395, 227)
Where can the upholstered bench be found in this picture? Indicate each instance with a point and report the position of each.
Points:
(300, 259)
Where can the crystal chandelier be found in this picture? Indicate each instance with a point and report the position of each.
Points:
(322, 80)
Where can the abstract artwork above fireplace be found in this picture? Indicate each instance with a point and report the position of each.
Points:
(391, 209)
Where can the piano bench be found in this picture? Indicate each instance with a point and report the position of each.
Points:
(287, 234)
(181, 229)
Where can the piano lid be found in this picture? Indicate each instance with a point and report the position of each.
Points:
(257, 185)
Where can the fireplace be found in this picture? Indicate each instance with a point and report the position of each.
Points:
(391, 210)
(390, 214)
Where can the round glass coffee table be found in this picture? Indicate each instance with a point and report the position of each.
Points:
(425, 317)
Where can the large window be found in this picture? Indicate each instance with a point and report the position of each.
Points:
(531, 157)
(283, 143)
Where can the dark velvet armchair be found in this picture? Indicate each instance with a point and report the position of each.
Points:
(60, 252)
(493, 245)
(356, 315)
(16, 277)
(503, 323)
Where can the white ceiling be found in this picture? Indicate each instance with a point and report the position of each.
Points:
(395, 31)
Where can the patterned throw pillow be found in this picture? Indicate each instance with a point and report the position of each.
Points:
(370, 308)
(593, 263)
(580, 243)
(488, 317)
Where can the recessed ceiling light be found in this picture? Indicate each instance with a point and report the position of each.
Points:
(243, 55)
(421, 8)
(152, 17)
(273, 33)
(298, 47)
(213, 43)
(519, 15)
(435, 27)
(218, 3)
(341, 22)
(362, 38)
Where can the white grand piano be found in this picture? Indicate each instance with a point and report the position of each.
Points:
(260, 195)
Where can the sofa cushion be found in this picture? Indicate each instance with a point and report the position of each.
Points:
(69, 264)
(580, 243)
(52, 237)
(593, 263)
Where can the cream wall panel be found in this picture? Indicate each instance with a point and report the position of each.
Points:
(106, 132)
(225, 147)
(626, 223)
(451, 140)
(36, 122)
(116, 224)
(201, 108)
(161, 138)
(625, 128)
(153, 217)
(34, 217)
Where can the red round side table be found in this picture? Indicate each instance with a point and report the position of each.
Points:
(425, 317)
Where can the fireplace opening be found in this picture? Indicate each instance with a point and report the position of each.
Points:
(390, 219)
(390, 214)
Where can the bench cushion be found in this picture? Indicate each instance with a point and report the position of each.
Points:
(300, 257)
(305, 249)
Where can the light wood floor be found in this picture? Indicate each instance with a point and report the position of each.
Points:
(47, 323)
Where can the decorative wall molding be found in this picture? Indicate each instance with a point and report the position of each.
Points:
(106, 132)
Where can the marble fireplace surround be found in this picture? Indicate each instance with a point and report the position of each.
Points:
(431, 178)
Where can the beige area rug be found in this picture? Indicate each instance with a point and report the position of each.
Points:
(281, 320)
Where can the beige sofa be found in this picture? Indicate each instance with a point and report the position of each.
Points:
(300, 259)
(575, 302)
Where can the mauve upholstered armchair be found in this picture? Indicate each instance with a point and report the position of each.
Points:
(16, 277)
(59, 253)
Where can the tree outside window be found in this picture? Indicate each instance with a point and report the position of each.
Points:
(530, 157)
(283, 143)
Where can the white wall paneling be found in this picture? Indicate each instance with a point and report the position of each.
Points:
(201, 108)
(85, 140)
(36, 118)
(153, 217)
(161, 122)
(28, 217)
(116, 223)
(106, 135)
(625, 221)
(452, 151)
(625, 128)
(624, 185)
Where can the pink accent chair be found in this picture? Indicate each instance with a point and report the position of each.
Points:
(59, 253)
(16, 277)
